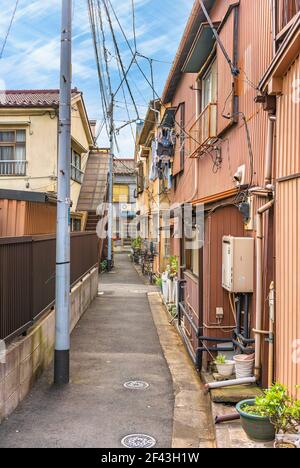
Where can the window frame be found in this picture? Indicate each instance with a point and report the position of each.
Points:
(76, 170)
(21, 164)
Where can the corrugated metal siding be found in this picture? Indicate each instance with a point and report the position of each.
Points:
(254, 57)
(223, 222)
(288, 232)
(40, 219)
(21, 218)
(225, 78)
(288, 282)
(288, 129)
(12, 218)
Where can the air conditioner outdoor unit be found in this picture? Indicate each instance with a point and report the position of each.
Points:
(238, 264)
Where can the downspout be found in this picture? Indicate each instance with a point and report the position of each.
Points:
(269, 149)
(259, 245)
(259, 286)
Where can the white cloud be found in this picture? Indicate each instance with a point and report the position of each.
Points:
(31, 58)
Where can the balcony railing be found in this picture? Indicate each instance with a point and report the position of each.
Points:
(286, 10)
(13, 168)
(203, 130)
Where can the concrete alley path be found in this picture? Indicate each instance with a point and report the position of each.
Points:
(116, 341)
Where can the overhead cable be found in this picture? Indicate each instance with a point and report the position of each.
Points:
(9, 29)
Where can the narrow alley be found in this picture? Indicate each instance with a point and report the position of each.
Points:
(114, 343)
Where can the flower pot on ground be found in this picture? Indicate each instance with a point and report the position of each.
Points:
(244, 365)
(277, 407)
(287, 441)
(258, 427)
(225, 367)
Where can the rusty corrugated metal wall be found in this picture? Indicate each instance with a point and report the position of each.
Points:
(288, 233)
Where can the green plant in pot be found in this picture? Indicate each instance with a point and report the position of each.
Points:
(158, 282)
(273, 414)
(224, 366)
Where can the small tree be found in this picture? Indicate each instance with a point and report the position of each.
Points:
(283, 410)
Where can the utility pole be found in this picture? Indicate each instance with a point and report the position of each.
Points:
(111, 183)
(62, 299)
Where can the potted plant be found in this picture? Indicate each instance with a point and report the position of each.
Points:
(159, 282)
(256, 421)
(273, 414)
(224, 366)
(284, 412)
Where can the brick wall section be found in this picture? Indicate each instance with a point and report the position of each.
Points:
(29, 356)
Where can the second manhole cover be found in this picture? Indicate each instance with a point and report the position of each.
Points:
(136, 385)
(138, 441)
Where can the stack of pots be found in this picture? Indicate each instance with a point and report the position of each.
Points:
(244, 365)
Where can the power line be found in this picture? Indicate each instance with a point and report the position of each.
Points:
(141, 70)
(133, 24)
(99, 68)
(9, 29)
(119, 56)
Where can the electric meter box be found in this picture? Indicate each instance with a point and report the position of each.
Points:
(238, 264)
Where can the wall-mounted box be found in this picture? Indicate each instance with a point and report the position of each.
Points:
(238, 264)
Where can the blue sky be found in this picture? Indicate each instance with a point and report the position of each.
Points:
(31, 58)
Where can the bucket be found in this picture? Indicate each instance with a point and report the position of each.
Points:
(243, 366)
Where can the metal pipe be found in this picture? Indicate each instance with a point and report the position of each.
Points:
(243, 348)
(238, 316)
(246, 318)
(227, 418)
(259, 285)
(206, 349)
(269, 149)
(246, 340)
(271, 337)
(214, 340)
(62, 295)
(230, 383)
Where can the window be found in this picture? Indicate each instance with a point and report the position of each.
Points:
(12, 152)
(180, 152)
(121, 193)
(287, 9)
(75, 224)
(182, 135)
(205, 127)
(191, 248)
(209, 86)
(76, 172)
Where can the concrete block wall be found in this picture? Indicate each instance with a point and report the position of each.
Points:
(27, 357)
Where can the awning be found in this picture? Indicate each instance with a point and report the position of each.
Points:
(201, 49)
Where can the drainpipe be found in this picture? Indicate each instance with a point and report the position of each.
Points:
(269, 150)
(271, 334)
(259, 285)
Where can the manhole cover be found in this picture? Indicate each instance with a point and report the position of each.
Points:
(136, 385)
(138, 441)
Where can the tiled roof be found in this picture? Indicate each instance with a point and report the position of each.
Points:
(124, 166)
(31, 98)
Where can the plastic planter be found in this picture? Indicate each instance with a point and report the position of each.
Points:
(257, 428)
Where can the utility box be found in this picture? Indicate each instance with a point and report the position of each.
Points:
(238, 264)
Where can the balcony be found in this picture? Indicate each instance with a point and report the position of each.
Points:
(286, 10)
(13, 168)
(203, 130)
